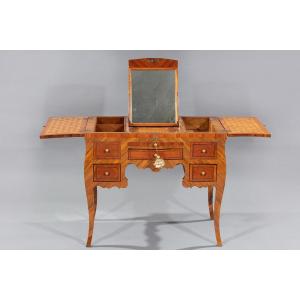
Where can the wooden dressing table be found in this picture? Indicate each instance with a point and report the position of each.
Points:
(113, 142)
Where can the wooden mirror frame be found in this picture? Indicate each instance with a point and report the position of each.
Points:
(152, 64)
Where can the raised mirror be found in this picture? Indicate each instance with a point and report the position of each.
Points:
(153, 92)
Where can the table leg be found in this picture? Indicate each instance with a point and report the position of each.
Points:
(91, 195)
(91, 191)
(217, 207)
(210, 202)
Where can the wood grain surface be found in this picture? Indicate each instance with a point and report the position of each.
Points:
(198, 144)
(138, 149)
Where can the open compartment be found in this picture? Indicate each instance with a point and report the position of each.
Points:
(110, 124)
(201, 124)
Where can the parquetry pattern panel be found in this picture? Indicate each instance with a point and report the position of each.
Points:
(64, 127)
(244, 126)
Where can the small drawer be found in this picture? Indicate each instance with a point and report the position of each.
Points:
(136, 154)
(155, 145)
(203, 150)
(106, 172)
(107, 150)
(203, 172)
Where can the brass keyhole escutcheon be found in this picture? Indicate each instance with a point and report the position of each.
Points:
(158, 162)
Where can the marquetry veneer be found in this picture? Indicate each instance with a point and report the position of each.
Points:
(197, 143)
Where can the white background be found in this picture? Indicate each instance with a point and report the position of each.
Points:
(152, 25)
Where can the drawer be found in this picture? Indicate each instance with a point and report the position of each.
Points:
(149, 154)
(203, 172)
(106, 172)
(155, 145)
(203, 150)
(107, 150)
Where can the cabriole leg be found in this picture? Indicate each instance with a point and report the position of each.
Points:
(91, 195)
(210, 202)
(217, 207)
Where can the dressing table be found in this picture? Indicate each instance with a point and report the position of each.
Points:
(154, 136)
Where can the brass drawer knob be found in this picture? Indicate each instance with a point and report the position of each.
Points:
(155, 144)
(203, 173)
(203, 150)
(106, 150)
(106, 173)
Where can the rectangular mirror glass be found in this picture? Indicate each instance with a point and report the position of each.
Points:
(153, 96)
(153, 92)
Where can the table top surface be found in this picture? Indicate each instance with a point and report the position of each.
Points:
(77, 126)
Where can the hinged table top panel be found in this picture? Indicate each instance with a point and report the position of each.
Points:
(64, 127)
(78, 126)
(244, 126)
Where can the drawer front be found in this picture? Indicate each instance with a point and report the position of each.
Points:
(155, 145)
(203, 150)
(107, 172)
(107, 150)
(136, 154)
(203, 172)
